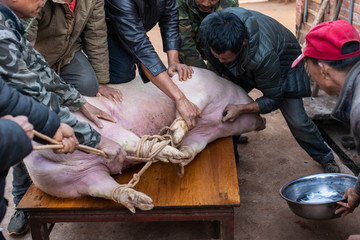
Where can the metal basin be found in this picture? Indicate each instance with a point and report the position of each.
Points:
(315, 196)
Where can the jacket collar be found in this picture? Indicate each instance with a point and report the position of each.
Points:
(342, 109)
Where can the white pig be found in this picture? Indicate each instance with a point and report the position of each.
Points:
(144, 111)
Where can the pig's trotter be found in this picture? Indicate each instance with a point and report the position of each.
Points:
(179, 129)
(261, 124)
(169, 153)
(131, 198)
(189, 154)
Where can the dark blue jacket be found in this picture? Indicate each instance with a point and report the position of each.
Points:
(14, 143)
(265, 62)
(13, 103)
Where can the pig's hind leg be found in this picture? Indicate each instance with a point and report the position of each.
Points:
(101, 184)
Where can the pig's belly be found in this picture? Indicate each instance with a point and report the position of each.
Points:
(144, 109)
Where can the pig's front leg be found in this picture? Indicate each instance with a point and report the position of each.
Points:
(179, 129)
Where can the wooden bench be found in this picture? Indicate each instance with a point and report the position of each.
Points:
(208, 192)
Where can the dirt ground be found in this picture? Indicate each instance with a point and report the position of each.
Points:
(270, 159)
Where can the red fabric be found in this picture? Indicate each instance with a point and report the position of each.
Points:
(72, 5)
(325, 41)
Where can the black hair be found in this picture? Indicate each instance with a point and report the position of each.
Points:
(224, 31)
(344, 64)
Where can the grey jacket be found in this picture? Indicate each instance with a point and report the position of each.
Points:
(347, 109)
(265, 63)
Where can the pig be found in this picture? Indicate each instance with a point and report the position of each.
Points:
(145, 110)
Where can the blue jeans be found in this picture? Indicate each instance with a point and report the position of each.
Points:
(81, 75)
(21, 181)
(305, 131)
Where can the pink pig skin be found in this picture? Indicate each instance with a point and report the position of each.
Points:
(144, 110)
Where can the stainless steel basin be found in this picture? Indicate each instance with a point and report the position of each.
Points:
(315, 196)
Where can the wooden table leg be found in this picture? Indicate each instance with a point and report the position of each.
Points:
(39, 231)
(227, 228)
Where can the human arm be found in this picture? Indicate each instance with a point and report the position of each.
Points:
(125, 22)
(17, 144)
(189, 111)
(16, 107)
(233, 111)
(185, 72)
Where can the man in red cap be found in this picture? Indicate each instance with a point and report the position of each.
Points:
(332, 55)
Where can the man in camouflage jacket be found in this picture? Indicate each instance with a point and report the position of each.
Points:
(191, 13)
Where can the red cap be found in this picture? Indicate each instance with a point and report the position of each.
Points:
(325, 41)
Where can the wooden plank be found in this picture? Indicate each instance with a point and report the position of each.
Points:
(332, 132)
(321, 107)
(210, 180)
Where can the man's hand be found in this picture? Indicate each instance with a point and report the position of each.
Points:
(188, 111)
(112, 149)
(353, 200)
(94, 114)
(24, 124)
(231, 112)
(65, 135)
(185, 71)
(110, 93)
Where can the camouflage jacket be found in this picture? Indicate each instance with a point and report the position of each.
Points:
(189, 22)
(26, 70)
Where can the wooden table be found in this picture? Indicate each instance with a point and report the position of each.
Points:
(208, 192)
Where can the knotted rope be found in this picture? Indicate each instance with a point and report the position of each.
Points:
(147, 151)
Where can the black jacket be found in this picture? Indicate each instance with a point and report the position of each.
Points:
(131, 19)
(265, 63)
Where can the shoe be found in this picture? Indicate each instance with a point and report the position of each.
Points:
(18, 224)
(348, 142)
(243, 139)
(331, 167)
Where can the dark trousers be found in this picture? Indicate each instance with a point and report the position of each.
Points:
(81, 75)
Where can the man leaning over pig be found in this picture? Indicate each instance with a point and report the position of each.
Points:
(255, 51)
(128, 21)
(27, 71)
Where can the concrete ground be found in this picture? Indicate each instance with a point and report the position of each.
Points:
(270, 159)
